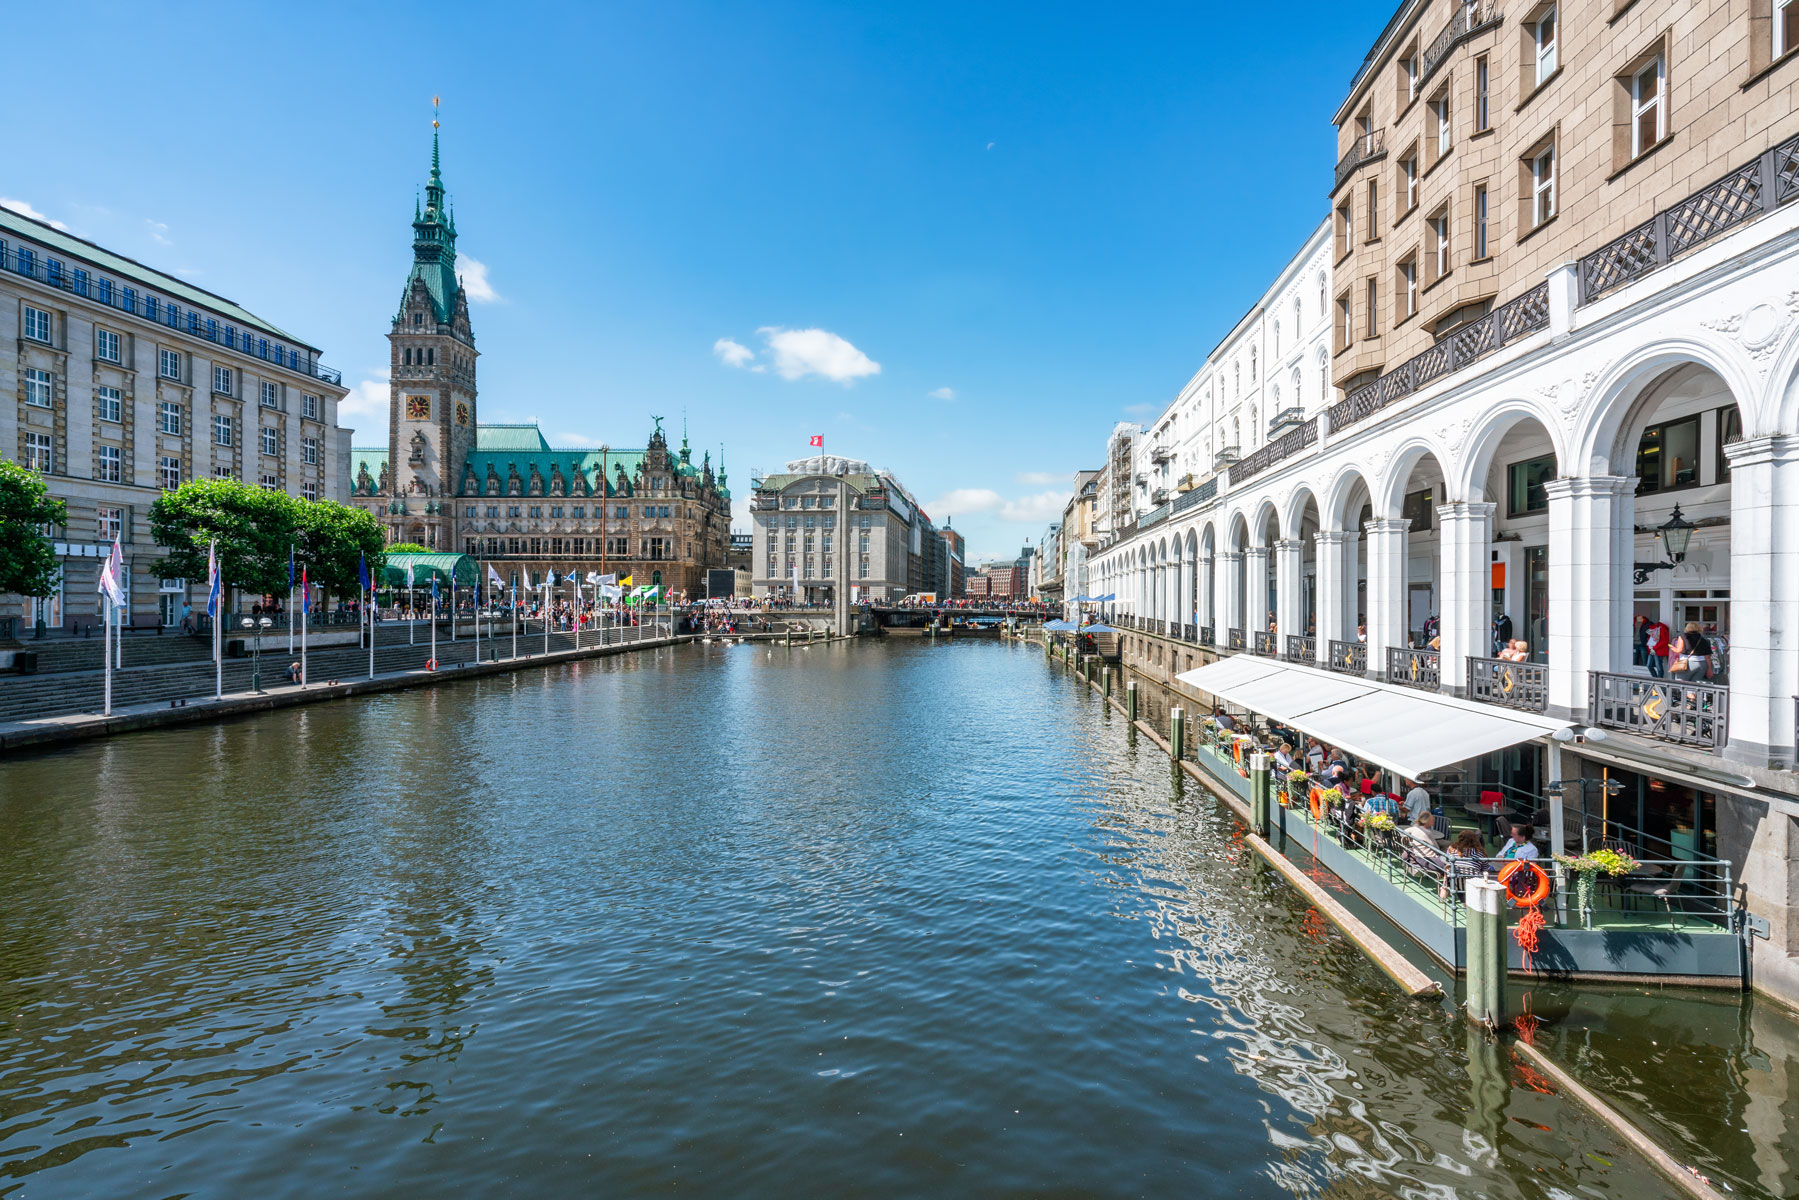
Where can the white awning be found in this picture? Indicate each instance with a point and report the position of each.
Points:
(1405, 730)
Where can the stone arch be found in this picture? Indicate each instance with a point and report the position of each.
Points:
(1258, 527)
(1610, 408)
(1781, 411)
(1466, 477)
(1236, 533)
(1333, 506)
(1389, 493)
(1292, 510)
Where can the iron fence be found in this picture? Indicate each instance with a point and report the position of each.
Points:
(1238, 639)
(1669, 710)
(1301, 649)
(1205, 637)
(1509, 684)
(1365, 149)
(1263, 643)
(1350, 658)
(1414, 668)
(1283, 447)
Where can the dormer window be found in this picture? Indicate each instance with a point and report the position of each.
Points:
(418, 318)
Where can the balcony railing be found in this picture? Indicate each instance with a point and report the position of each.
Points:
(1509, 684)
(1285, 446)
(1238, 639)
(1225, 457)
(1469, 20)
(1196, 495)
(36, 265)
(1189, 632)
(1350, 658)
(1414, 668)
(1754, 188)
(1262, 643)
(1205, 636)
(1510, 321)
(1301, 649)
(1670, 710)
(1365, 149)
(1161, 454)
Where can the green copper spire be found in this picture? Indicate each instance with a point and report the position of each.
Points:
(434, 238)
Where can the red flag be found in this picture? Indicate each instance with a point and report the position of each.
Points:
(818, 439)
(305, 593)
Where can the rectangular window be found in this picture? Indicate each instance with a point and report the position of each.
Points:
(270, 440)
(1527, 493)
(37, 387)
(129, 299)
(271, 395)
(537, 510)
(37, 324)
(1345, 322)
(80, 286)
(1408, 181)
(1345, 237)
(309, 407)
(54, 269)
(168, 473)
(1730, 429)
(1419, 508)
(1483, 119)
(103, 290)
(1372, 308)
(168, 364)
(1542, 186)
(1542, 34)
(1373, 210)
(169, 416)
(1786, 26)
(555, 510)
(1439, 234)
(309, 490)
(1668, 456)
(221, 380)
(150, 306)
(1646, 107)
(1408, 78)
(37, 452)
(109, 523)
(109, 403)
(106, 345)
(221, 430)
(270, 483)
(1439, 111)
(1408, 288)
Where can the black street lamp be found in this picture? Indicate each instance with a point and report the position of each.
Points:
(256, 625)
(1676, 534)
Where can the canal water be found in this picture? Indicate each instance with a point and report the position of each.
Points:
(884, 919)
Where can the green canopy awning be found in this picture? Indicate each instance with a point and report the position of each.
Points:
(457, 568)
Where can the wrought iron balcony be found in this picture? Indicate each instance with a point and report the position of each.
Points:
(1283, 447)
(1366, 148)
(1420, 669)
(1510, 321)
(1509, 684)
(1263, 643)
(1669, 710)
(1161, 454)
(1285, 419)
(1301, 649)
(1225, 457)
(1469, 20)
(1189, 633)
(1205, 636)
(1349, 658)
(1196, 495)
(1238, 639)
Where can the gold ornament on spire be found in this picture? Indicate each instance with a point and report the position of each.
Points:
(435, 101)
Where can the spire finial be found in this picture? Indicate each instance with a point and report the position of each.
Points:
(435, 101)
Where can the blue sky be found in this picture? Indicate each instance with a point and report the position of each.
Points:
(960, 241)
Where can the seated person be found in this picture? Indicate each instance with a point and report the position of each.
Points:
(1315, 757)
(1425, 830)
(1283, 757)
(1466, 859)
(1519, 845)
(1224, 720)
(1380, 802)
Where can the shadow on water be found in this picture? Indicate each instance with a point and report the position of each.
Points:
(867, 920)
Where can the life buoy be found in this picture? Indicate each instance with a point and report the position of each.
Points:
(1237, 750)
(1537, 894)
(430, 664)
(1316, 796)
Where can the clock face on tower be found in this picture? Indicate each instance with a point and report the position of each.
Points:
(418, 408)
(461, 413)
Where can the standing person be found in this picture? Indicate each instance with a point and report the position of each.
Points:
(1655, 647)
(1417, 802)
(1691, 656)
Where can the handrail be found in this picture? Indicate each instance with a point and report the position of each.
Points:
(1421, 669)
(1469, 20)
(1263, 643)
(1283, 447)
(1238, 639)
(1669, 710)
(1365, 149)
(1523, 686)
(1301, 649)
(1349, 658)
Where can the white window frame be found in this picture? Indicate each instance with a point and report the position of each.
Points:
(1409, 168)
(40, 452)
(112, 404)
(271, 395)
(1782, 12)
(222, 431)
(309, 406)
(1439, 227)
(106, 345)
(309, 491)
(269, 439)
(1408, 271)
(168, 472)
(37, 324)
(309, 451)
(1655, 71)
(221, 380)
(112, 464)
(1480, 221)
(1543, 36)
(40, 388)
(1483, 112)
(109, 522)
(1409, 66)
(168, 418)
(1542, 186)
(168, 364)
(270, 483)
(1445, 134)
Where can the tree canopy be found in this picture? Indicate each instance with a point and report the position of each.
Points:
(255, 528)
(27, 559)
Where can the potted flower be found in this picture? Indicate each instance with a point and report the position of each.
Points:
(1380, 827)
(1588, 868)
(1297, 784)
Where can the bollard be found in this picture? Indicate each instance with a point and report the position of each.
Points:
(1088, 664)
(789, 637)
(1106, 676)
(1130, 701)
(1487, 953)
(1177, 733)
(1261, 794)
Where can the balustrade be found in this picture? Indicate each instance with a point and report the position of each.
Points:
(1350, 658)
(1263, 643)
(1414, 668)
(1509, 684)
(1670, 710)
(1301, 649)
(1205, 636)
(1238, 640)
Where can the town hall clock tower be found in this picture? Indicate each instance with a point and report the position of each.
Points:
(432, 399)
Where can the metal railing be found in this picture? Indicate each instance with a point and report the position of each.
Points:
(1670, 710)
(1285, 446)
(36, 264)
(1509, 684)
(1349, 658)
(1525, 314)
(1756, 187)
(1262, 642)
(1469, 20)
(1196, 495)
(1414, 668)
(1238, 640)
(1365, 149)
(1205, 639)
(1301, 649)
(1189, 633)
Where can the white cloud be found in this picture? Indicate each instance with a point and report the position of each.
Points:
(159, 232)
(732, 352)
(943, 393)
(1035, 510)
(25, 209)
(1041, 478)
(574, 441)
(964, 500)
(798, 353)
(1141, 410)
(1028, 510)
(474, 280)
(365, 410)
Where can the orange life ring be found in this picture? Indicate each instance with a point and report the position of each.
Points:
(430, 664)
(1317, 801)
(1237, 750)
(1537, 894)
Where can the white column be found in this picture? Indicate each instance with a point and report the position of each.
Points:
(1386, 588)
(1466, 547)
(1352, 583)
(1289, 598)
(1229, 595)
(1764, 598)
(1255, 592)
(1589, 623)
(1332, 610)
(1204, 609)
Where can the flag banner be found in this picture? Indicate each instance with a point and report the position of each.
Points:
(625, 582)
(611, 591)
(493, 577)
(434, 591)
(213, 585)
(408, 574)
(593, 578)
(112, 576)
(305, 593)
(608, 581)
(818, 440)
(653, 591)
(290, 567)
(362, 570)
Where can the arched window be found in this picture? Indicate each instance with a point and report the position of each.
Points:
(1236, 434)
(1277, 337)
(1252, 366)
(1298, 324)
(1236, 381)
(1322, 288)
(1274, 399)
(1297, 393)
(1324, 380)
(1255, 430)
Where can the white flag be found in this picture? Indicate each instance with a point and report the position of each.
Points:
(112, 576)
(493, 576)
(593, 577)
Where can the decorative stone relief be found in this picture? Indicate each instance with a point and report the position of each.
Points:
(1758, 330)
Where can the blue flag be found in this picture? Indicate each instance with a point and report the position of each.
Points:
(362, 570)
(290, 567)
(434, 593)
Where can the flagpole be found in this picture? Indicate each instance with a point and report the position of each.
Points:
(107, 654)
(546, 610)
(433, 620)
(477, 612)
(305, 603)
(368, 613)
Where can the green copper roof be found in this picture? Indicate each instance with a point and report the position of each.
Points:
(434, 246)
(525, 438)
(134, 272)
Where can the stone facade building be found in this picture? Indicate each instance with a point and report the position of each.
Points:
(128, 381)
(1564, 344)
(829, 522)
(501, 493)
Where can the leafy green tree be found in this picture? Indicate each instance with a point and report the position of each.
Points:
(27, 561)
(253, 527)
(332, 539)
(409, 548)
